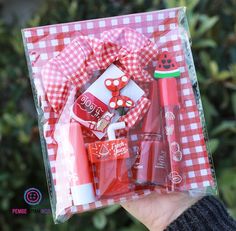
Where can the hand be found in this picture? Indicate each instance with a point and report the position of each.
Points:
(157, 211)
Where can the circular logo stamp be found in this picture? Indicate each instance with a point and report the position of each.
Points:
(32, 196)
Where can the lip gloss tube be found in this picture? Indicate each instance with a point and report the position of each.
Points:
(75, 156)
(160, 164)
(166, 73)
(149, 167)
(170, 116)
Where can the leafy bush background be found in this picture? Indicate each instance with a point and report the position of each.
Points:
(213, 30)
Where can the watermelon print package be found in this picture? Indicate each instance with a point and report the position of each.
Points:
(119, 110)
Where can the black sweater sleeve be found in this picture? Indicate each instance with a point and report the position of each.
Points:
(208, 214)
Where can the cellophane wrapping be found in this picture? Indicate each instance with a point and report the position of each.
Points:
(119, 110)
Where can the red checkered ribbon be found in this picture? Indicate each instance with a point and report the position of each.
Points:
(133, 116)
(76, 64)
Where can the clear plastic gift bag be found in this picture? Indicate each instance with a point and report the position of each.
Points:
(119, 110)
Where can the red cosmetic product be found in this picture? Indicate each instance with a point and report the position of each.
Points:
(150, 165)
(166, 72)
(77, 163)
(109, 159)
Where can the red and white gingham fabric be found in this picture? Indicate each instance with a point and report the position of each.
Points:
(85, 55)
(136, 114)
(162, 27)
(76, 64)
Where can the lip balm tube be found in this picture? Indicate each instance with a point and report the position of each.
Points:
(75, 156)
(82, 186)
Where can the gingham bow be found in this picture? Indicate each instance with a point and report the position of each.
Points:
(117, 100)
(84, 55)
(76, 64)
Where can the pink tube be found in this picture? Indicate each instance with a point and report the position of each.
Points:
(75, 155)
(81, 187)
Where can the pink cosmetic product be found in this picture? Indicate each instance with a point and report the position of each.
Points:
(166, 73)
(75, 155)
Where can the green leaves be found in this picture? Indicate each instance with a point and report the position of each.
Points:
(214, 144)
(224, 127)
(111, 209)
(206, 23)
(227, 186)
(190, 4)
(234, 103)
(19, 124)
(102, 217)
(73, 8)
(209, 110)
(134, 227)
(199, 25)
(99, 220)
(204, 43)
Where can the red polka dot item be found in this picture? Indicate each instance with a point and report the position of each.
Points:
(115, 85)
